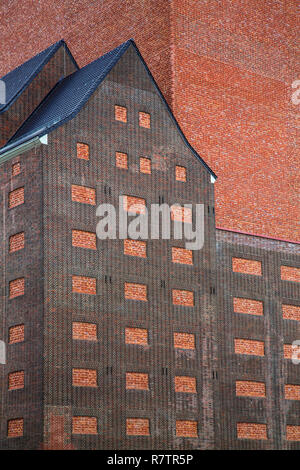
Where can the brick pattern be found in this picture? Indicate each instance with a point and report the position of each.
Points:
(84, 378)
(181, 214)
(16, 334)
(292, 392)
(183, 297)
(120, 113)
(249, 346)
(122, 160)
(247, 388)
(136, 336)
(293, 433)
(16, 242)
(84, 425)
(84, 285)
(289, 273)
(83, 194)
(16, 169)
(291, 312)
(135, 248)
(145, 165)
(182, 255)
(287, 351)
(16, 380)
(186, 428)
(16, 198)
(144, 120)
(84, 239)
(15, 427)
(16, 287)
(135, 291)
(184, 341)
(180, 173)
(84, 331)
(83, 151)
(134, 204)
(185, 384)
(248, 306)
(252, 431)
(137, 381)
(137, 427)
(246, 266)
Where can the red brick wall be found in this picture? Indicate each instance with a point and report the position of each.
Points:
(15, 427)
(135, 291)
(137, 427)
(134, 204)
(84, 331)
(83, 194)
(16, 334)
(184, 341)
(120, 113)
(16, 242)
(84, 425)
(16, 197)
(185, 384)
(248, 346)
(145, 165)
(291, 312)
(136, 336)
(186, 428)
(249, 306)
(84, 285)
(181, 255)
(183, 297)
(16, 169)
(293, 433)
(84, 239)
(251, 431)
(16, 380)
(137, 381)
(84, 377)
(289, 273)
(287, 351)
(180, 173)
(246, 388)
(246, 266)
(144, 120)
(135, 248)
(83, 151)
(16, 287)
(122, 160)
(292, 392)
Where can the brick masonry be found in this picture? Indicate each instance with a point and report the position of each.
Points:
(246, 266)
(84, 425)
(137, 381)
(186, 428)
(292, 392)
(135, 248)
(83, 151)
(183, 297)
(137, 427)
(249, 346)
(290, 273)
(16, 287)
(84, 331)
(182, 255)
(122, 160)
(185, 384)
(184, 341)
(15, 427)
(291, 312)
(16, 197)
(136, 336)
(16, 334)
(16, 380)
(16, 242)
(134, 291)
(83, 194)
(84, 377)
(252, 431)
(83, 239)
(83, 285)
(248, 306)
(247, 388)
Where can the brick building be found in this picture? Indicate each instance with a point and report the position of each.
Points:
(132, 344)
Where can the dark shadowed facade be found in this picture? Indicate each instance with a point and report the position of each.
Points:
(131, 344)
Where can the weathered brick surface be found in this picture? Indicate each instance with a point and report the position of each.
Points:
(144, 120)
(134, 291)
(83, 239)
(16, 169)
(293, 433)
(180, 173)
(16, 334)
(249, 346)
(291, 312)
(292, 392)
(247, 388)
(184, 341)
(84, 425)
(287, 351)
(145, 165)
(84, 331)
(186, 428)
(135, 248)
(181, 214)
(289, 273)
(83, 151)
(83, 194)
(16, 197)
(248, 306)
(122, 160)
(134, 204)
(84, 285)
(182, 255)
(16, 380)
(136, 336)
(120, 113)
(183, 297)
(185, 384)
(16, 287)
(84, 377)
(137, 427)
(16, 242)
(137, 381)
(251, 431)
(246, 266)
(15, 427)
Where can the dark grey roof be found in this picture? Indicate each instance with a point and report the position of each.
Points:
(18, 79)
(69, 95)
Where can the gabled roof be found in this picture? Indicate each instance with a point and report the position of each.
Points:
(70, 94)
(18, 79)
